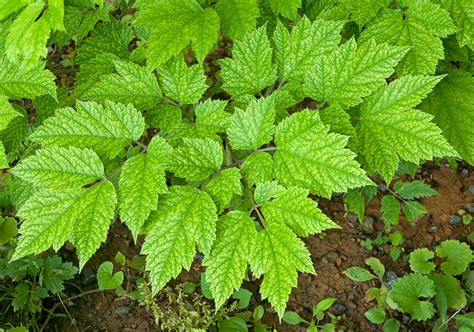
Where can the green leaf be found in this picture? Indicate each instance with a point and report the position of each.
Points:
(3, 157)
(95, 209)
(278, 254)
(252, 128)
(390, 208)
(323, 305)
(222, 187)
(296, 53)
(355, 202)
(52, 217)
(233, 324)
(359, 274)
(413, 210)
(20, 81)
(106, 278)
(265, 191)
(60, 168)
(462, 12)
(293, 318)
(308, 156)
(185, 217)
(8, 229)
(459, 256)
(293, 209)
(420, 261)
(184, 84)
(28, 297)
(287, 8)
(407, 292)
(55, 273)
(237, 16)
(8, 7)
(131, 85)
(141, 180)
(375, 315)
(244, 296)
(196, 159)
(250, 70)
(174, 25)
(28, 34)
(420, 27)
(389, 129)
(451, 287)
(391, 325)
(363, 12)
(414, 189)
(351, 72)
(226, 265)
(210, 116)
(106, 130)
(452, 105)
(376, 266)
(257, 168)
(7, 113)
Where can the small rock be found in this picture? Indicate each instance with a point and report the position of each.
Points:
(352, 218)
(433, 229)
(470, 207)
(390, 278)
(87, 276)
(454, 220)
(122, 311)
(368, 225)
(339, 309)
(471, 189)
(382, 187)
(465, 172)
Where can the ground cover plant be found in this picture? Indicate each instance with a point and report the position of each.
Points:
(213, 128)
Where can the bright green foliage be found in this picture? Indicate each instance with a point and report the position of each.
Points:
(133, 84)
(106, 278)
(420, 261)
(250, 69)
(227, 261)
(237, 16)
(3, 157)
(196, 159)
(211, 117)
(105, 129)
(222, 187)
(173, 25)
(451, 289)
(265, 191)
(257, 168)
(293, 209)
(388, 128)
(419, 27)
(252, 128)
(182, 83)
(462, 12)
(351, 72)
(390, 209)
(95, 210)
(309, 157)
(278, 254)
(141, 180)
(407, 292)
(19, 81)
(60, 168)
(413, 210)
(7, 113)
(185, 217)
(452, 105)
(414, 189)
(362, 12)
(287, 8)
(355, 202)
(296, 53)
(458, 255)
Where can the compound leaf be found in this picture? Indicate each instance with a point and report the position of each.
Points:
(237, 16)
(222, 187)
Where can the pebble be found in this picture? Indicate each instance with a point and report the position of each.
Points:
(470, 207)
(433, 229)
(368, 225)
(87, 276)
(352, 218)
(122, 311)
(339, 309)
(390, 278)
(465, 172)
(382, 187)
(471, 189)
(454, 220)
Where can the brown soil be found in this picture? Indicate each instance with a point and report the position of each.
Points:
(332, 254)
